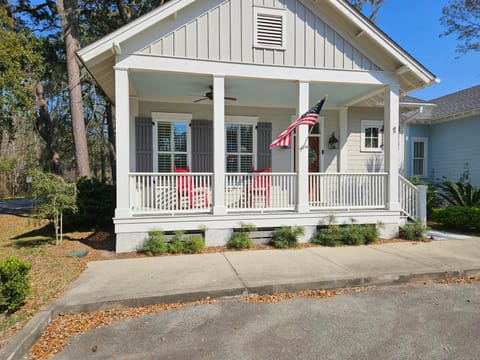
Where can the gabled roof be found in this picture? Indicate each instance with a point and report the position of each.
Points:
(102, 53)
(457, 103)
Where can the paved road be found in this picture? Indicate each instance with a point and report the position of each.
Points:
(402, 322)
(16, 206)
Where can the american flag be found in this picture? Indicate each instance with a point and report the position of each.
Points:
(309, 118)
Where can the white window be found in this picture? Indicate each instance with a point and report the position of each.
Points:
(171, 141)
(419, 157)
(371, 136)
(240, 144)
(269, 28)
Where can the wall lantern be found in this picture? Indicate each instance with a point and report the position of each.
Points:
(332, 141)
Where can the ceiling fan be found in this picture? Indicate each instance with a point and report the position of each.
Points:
(209, 96)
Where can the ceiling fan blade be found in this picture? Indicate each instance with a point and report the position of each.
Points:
(230, 98)
(202, 99)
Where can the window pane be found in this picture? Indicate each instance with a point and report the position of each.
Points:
(375, 132)
(316, 129)
(418, 167)
(246, 137)
(246, 164)
(180, 136)
(232, 163)
(165, 163)
(375, 143)
(181, 161)
(232, 138)
(418, 150)
(164, 136)
(368, 132)
(368, 143)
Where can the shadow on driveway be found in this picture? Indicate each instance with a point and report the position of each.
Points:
(16, 206)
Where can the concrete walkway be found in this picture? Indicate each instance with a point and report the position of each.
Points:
(142, 281)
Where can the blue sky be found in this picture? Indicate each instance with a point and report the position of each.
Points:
(415, 25)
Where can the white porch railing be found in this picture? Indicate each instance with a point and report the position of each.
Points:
(260, 191)
(348, 190)
(173, 193)
(170, 193)
(409, 197)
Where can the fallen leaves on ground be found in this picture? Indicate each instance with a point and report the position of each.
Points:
(64, 326)
(312, 294)
(460, 280)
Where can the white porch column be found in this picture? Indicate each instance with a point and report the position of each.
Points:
(122, 122)
(391, 131)
(302, 149)
(219, 145)
(342, 139)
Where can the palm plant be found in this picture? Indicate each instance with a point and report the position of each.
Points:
(460, 193)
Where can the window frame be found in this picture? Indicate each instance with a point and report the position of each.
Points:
(257, 10)
(242, 120)
(365, 124)
(423, 140)
(171, 118)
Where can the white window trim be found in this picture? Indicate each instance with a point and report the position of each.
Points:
(172, 117)
(273, 12)
(371, 123)
(425, 157)
(243, 120)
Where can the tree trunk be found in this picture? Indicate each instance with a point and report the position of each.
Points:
(67, 10)
(44, 125)
(111, 141)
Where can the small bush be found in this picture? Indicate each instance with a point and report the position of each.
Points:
(14, 283)
(194, 244)
(242, 239)
(95, 202)
(353, 234)
(370, 233)
(286, 237)
(413, 231)
(155, 243)
(330, 236)
(177, 243)
(458, 217)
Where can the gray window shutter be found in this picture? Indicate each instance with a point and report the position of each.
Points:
(202, 145)
(264, 138)
(143, 144)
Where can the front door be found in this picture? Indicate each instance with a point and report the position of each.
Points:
(314, 154)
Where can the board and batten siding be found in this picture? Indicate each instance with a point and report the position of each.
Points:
(359, 161)
(225, 33)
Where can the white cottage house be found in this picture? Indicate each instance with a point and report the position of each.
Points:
(201, 88)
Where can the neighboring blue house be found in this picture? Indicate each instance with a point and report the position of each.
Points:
(442, 136)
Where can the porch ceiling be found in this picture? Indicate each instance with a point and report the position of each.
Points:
(180, 88)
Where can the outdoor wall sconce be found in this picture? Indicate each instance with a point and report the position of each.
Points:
(332, 141)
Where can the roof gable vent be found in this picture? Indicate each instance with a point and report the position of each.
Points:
(269, 28)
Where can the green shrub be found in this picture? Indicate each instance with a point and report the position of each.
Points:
(14, 283)
(177, 243)
(286, 237)
(353, 234)
(330, 236)
(370, 233)
(242, 239)
(194, 244)
(458, 217)
(155, 243)
(95, 202)
(413, 231)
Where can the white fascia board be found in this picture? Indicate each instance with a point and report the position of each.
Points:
(125, 32)
(383, 40)
(145, 62)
